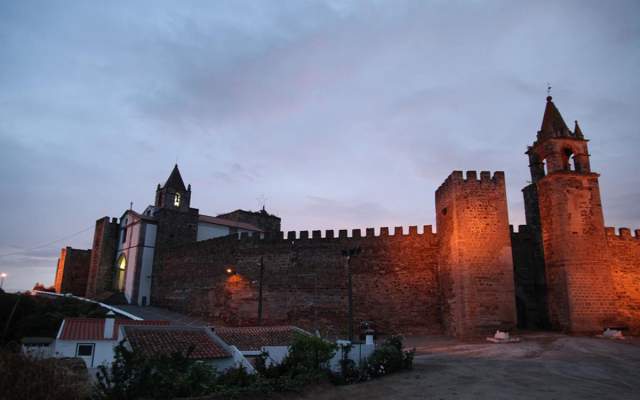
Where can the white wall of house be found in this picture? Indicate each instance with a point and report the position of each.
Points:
(359, 353)
(275, 353)
(102, 351)
(209, 231)
(38, 351)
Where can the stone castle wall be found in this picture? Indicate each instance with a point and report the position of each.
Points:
(624, 260)
(305, 279)
(72, 272)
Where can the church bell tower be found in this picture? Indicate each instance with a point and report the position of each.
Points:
(174, 195)
(563, 204)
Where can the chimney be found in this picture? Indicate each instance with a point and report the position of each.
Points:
(109, 323)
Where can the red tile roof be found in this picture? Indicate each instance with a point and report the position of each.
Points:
(255, 337)
(167, 340)
(93, 328)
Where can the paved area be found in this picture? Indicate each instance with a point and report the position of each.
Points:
(162, 314)
(542, 366)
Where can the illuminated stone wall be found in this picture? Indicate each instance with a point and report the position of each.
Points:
(305, 280)
(581, 295)
(103, 255)
(476, 266)
(72, 271)
(624, 259)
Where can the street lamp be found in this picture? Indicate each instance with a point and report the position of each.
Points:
(2, 276)
(348, 254)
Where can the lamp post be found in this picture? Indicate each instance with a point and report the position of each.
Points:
(348, 254)
(2, 276)
(261, 264)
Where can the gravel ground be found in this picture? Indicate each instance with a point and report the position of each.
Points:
(542, 366)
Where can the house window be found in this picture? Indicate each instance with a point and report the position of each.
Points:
(84, 350)
(176, 200)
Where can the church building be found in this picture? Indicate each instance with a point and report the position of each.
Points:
(121, 263)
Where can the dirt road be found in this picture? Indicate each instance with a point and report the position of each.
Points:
(542, 366)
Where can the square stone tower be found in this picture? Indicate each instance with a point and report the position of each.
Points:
(475, 262)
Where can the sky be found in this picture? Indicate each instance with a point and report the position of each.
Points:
(340, 114)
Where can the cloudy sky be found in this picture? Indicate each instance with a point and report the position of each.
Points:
(343, 114)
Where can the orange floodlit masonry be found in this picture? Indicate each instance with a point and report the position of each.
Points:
(563, 270)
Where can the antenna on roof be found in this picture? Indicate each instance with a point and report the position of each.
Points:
(262, 199)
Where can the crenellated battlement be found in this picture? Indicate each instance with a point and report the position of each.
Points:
(623, 233)
(470, 181)
(331, 234)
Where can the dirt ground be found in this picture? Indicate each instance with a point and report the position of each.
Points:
(542, 366)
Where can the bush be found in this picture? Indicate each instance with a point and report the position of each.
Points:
(23, 377)
(132, 376)
(308, 354)
(389, 357)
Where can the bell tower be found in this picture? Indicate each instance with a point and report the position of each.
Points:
(174, 195)
(564, 208)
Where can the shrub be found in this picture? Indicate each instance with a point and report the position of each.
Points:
(308, 354)
(389, 357)
(25, 378)
(132, 376)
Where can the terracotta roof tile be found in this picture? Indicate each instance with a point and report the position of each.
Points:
(166, 340)
(93, 328)
(255, 337)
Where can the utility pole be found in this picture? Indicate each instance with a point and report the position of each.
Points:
(260, 290)
(348, 254)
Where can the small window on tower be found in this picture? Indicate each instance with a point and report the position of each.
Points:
(176, 200)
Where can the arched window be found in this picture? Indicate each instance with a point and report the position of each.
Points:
(121, 272)
(176, 200)
(568, 160)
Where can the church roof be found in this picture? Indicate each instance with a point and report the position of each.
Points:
(227, 222)
(552, 123)
(175, 180)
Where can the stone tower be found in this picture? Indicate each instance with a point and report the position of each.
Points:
(563, 204)
(177, 221)
(475, 263)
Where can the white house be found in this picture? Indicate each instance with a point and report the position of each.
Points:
(275, 342)
(255, 340)
(93, 339)
(197, 343)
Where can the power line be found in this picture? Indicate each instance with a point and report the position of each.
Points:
(47, 244)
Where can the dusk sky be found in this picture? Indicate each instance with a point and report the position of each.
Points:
(343, 114)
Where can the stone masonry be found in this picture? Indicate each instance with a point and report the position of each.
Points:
(72, 271)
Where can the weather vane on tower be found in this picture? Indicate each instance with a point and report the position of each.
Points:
(548, 89)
